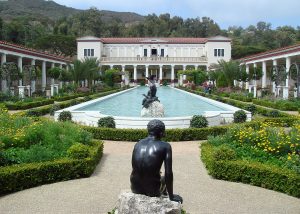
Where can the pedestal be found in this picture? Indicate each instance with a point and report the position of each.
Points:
(32, 87)
(254, 91)
(28, 89)
(21, 91)
(285, 94)
(295, 92)
(54, 89)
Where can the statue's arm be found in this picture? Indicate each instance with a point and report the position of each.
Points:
(169, 172)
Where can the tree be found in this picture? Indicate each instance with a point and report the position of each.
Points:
(230, 70)
(91, 69)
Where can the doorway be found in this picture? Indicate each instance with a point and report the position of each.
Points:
(153, 52)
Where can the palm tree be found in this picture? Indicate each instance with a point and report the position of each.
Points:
(91, 69)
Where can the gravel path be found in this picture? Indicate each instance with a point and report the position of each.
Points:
(98, 194)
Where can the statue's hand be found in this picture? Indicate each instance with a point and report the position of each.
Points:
(177, 198)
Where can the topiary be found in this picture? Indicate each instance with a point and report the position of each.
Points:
(65, 116)
(108, 122)
(239, 116)
(53, 109)
(251, 108)
(274, 113)
(165, 83)
(198, 121)
(78, 151)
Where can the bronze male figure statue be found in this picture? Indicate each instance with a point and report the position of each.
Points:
(147, 158)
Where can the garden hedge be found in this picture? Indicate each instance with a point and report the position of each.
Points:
(171, 134)
(187, 134)
(22, 176)
(251, 172)
(26, 105)
(284, 105)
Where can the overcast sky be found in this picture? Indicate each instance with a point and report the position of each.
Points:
(224, 12)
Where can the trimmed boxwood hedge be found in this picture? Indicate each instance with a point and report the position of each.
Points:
(178, 134)
(26, 105)
(251, 172)
(22, 176)
(171, 134)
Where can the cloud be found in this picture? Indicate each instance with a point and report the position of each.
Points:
(224, 12)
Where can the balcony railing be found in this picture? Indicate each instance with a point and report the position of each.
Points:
(154, 59)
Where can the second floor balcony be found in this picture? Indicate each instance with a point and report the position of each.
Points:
(154, 59)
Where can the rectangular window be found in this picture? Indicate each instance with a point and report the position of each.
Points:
(219, 52)
(162, 52)
(145, 52)
(88, 52)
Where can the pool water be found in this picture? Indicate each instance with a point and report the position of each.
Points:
(129, 104)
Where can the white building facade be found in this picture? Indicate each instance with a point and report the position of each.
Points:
(163, 57)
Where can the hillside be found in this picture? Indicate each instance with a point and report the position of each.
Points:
(49, 9)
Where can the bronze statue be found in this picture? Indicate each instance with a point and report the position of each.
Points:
(147, 158)
(151, 96)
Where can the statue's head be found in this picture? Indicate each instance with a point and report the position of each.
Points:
(156, 128)
(152, 77)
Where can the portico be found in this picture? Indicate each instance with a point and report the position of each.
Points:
(23, 58)
(281, 59)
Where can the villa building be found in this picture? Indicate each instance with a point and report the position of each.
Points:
(163, 57)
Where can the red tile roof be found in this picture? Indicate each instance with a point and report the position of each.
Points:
(154, 40)
(22, 49)
(270, 53)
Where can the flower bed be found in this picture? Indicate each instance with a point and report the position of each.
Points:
(266, 156)
(35, 151)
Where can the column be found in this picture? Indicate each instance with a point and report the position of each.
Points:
(264, 77)
(52, 79)
(172, 74)
(44, 77)
(255, 83)
(135, 74)
(32, 81)
(60, 82)
(247, 71)
(286, 88)
(184, 67)
(123, 73)
(4, 82)
(160, 74)
(20, 66)
(147, 71)
(273, 83)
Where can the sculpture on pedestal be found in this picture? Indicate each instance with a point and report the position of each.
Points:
(151, 104)
(147, 158)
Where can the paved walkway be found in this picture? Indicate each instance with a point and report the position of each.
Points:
(98, 194)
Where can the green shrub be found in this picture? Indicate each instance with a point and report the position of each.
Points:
(171, 134)
(239, 116)
(224, 152)
(273, 113)
(23, 176)
(53, 109)
(165, 83)
(78, 151)
(251, 172)
(198, 121)
(107, 122)
(251, 108)
(65, 116)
